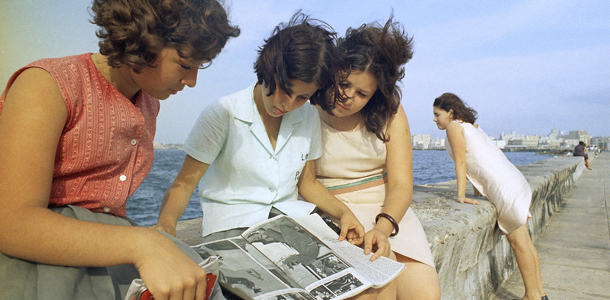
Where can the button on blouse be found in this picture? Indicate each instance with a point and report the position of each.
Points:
(96, 152)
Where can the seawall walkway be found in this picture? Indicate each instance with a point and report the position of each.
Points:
(474, 260)
(574, 247)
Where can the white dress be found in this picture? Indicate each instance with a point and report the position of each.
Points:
(352, 167)
(496, 177)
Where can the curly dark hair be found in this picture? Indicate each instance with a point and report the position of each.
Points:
(461, 111)
(302, 49)
(381, 51)
(133, 32)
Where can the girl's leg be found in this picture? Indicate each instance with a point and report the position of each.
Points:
(388, 292)
(417, 281)
(537, 260)
(528, 261)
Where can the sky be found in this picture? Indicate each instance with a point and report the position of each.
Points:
(525, 66)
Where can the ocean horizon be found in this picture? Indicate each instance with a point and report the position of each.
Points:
(429, 166)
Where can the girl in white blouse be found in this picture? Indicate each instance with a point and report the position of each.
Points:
(253, 151)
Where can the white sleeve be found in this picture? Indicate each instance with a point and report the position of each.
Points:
(209, 134)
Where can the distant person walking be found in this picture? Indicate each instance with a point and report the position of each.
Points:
(581, 150)
(478, 158)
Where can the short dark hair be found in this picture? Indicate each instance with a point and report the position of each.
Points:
(461, 111)
(381, 51)
(133, 32)
(302, 49)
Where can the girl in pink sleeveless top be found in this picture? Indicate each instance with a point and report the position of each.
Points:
(367, 157)
(77, 140)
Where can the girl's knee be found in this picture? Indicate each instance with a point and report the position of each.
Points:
(519, 237)
(433, 293)
(418, 281)
(427, 292)
(520, 242)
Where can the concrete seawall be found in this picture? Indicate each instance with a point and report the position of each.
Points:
(472, 257)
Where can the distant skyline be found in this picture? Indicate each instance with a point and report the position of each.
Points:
(441, 134)
(525, 66)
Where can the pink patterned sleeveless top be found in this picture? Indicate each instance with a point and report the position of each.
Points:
(106, 148)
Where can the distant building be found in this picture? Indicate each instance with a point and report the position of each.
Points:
(437, 144)
(512, 136)
(420, 141)
(500, 143)
(158, 145)
(516, 142)
(515, 145)
(555, 134)
(601, 142)
(531, 141)
(551, 141)
(569, 143)
(580, 135)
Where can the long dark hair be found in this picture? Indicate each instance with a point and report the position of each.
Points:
(133, 32)
(381, 51)
(461, 111)
(302, 49)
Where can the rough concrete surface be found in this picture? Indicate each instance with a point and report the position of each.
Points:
(474, 260)
(574, 247)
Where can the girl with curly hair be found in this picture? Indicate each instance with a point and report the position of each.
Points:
(77, 140)
(253, 152)
(479, 159)
(366, 157)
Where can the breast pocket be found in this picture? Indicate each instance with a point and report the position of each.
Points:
(296, 155)
(296, 167)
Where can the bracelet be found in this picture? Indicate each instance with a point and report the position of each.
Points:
(389, 218)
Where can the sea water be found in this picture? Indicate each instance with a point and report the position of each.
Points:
(143, 206)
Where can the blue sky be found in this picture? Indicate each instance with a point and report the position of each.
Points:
(525, 66)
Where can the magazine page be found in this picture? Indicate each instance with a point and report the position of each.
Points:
(308, 260)
(380, 272)
(247, 273)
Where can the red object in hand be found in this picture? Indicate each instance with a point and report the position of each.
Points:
(146, 295)
(210, 280)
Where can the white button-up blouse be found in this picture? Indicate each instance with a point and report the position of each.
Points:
(246, 176)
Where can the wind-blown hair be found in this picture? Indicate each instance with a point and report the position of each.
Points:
(133, 32)
(461, 111)
(302, 49)
(381, 51)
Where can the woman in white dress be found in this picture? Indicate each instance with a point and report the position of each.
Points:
(367, 158)
(478, 158)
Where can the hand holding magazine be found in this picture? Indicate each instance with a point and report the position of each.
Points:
(138, 291)
(296, 258)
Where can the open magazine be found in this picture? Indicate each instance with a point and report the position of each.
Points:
(296, 258)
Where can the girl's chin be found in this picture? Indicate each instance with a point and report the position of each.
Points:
(340, 113)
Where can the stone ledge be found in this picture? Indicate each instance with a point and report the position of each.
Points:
(190, 231)
(472, 258)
